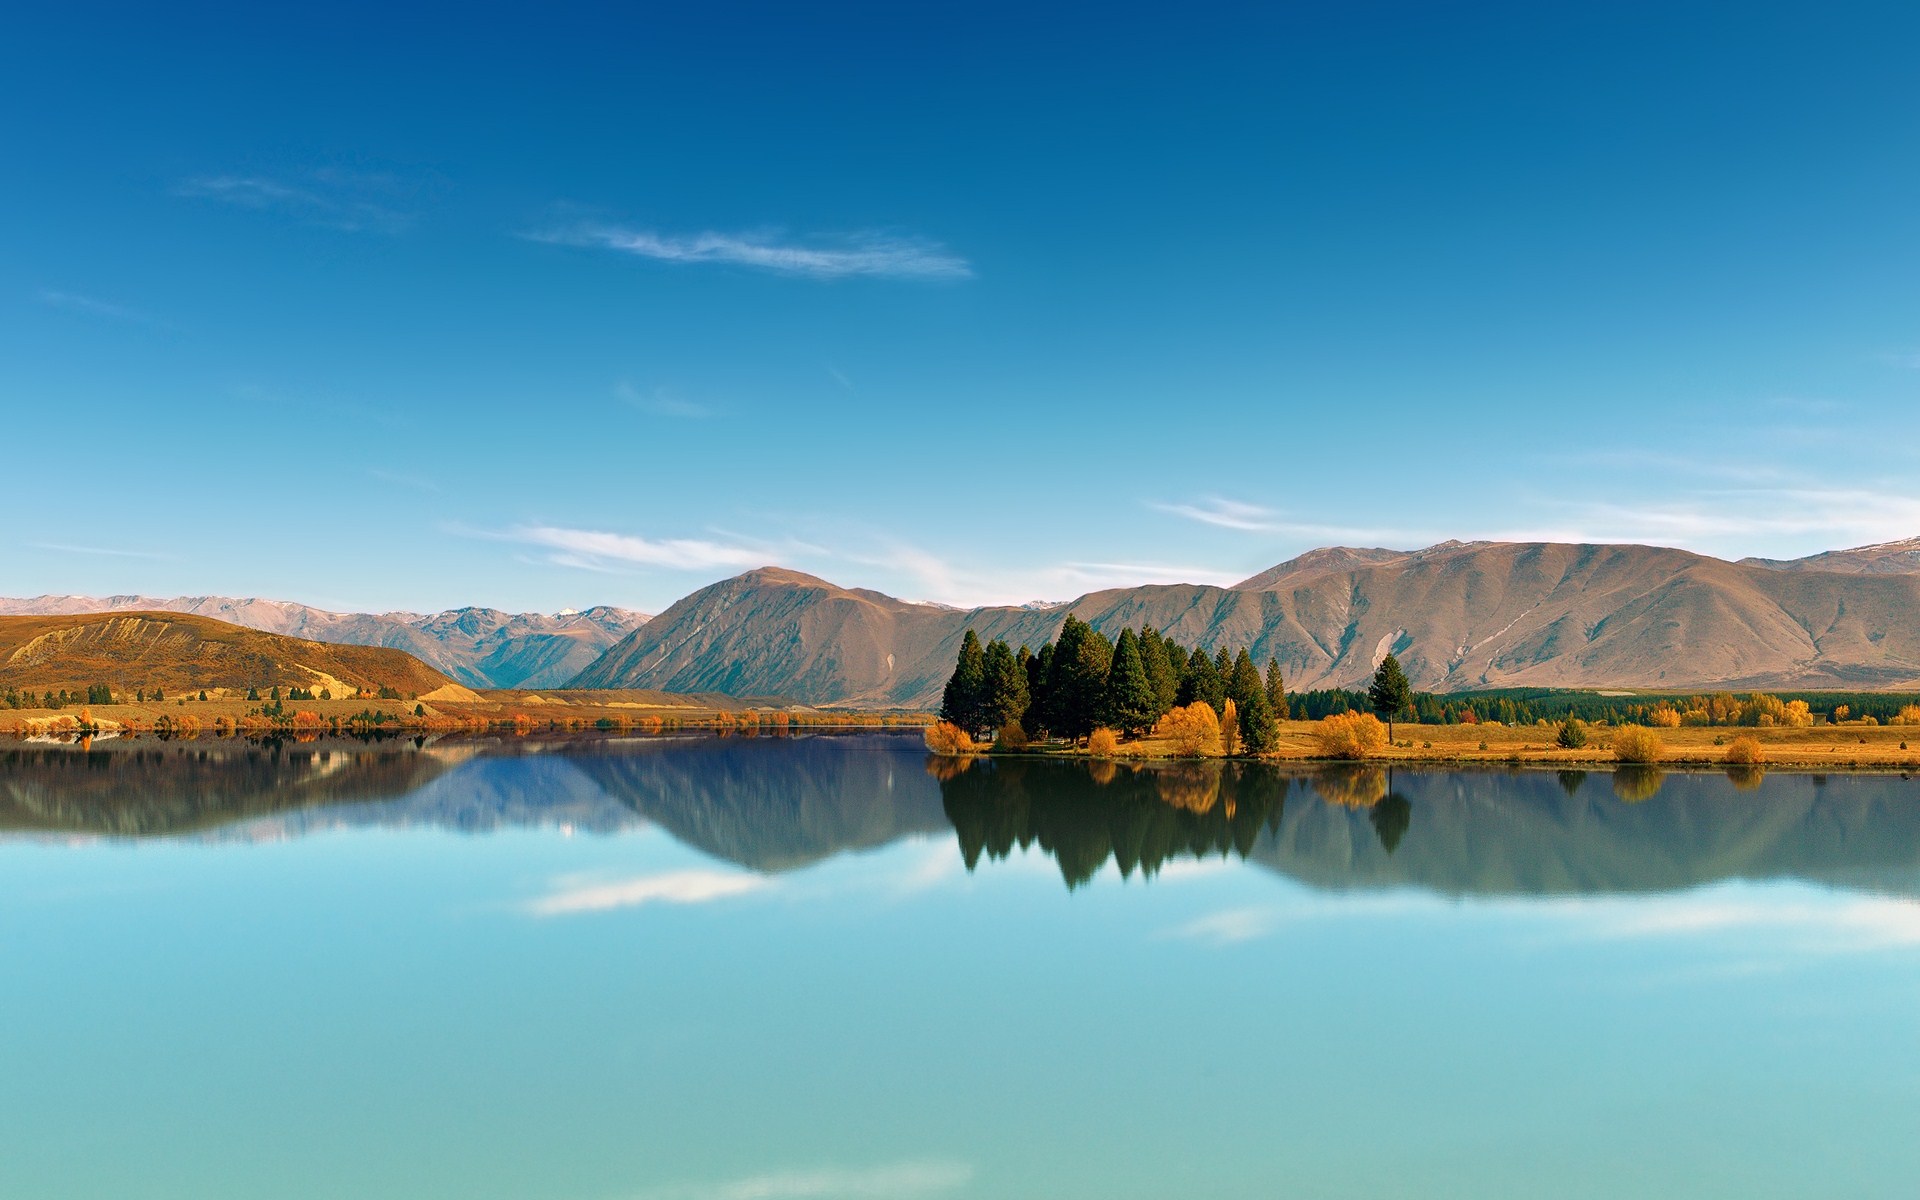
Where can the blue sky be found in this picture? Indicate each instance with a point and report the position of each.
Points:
(544, 306)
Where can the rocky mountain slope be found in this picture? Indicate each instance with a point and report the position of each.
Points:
(479, 647)
(1460, 615)
(176, 652)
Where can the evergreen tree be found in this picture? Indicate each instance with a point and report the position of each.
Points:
(1276, 690)
(1390, 693)
(962, 701)
(1004, 697)
(253, 693)
(1076, 679)
(1128, 703)
(1038, 716)
(1203, 683)
(1159, 666)
(1223, 665)
(1176, 664)
(1258, 728)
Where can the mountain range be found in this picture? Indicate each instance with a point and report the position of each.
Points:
(1460, 616)
(479, 647)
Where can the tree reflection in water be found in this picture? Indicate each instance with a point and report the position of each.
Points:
(1139, 817)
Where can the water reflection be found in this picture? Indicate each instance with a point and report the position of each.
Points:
(1138, 819)
(779, 804)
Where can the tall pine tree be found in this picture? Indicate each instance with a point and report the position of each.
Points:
(1160, 674)
(1390, 693)
(1249, 695)
(963, 701)
(1039, 718)
(1128, 703)
(1004, 697)
(1203, 683)
(1276, 690)
(1076, 679)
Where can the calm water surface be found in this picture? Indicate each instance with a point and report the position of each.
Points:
(756, 969)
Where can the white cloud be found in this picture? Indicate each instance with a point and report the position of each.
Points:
(575, 895)
(1838, 924)
(901, 1179)
(874, 255)
(332, 199)
(1229, 926)
(97, 551)
(1732, 520)
(1225, 514)
(595, 548)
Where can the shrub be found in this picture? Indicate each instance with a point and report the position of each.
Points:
(1103, 743)
(1351, 735)
(1194, 731)
(944, 737)
(1633, 744)
(1746, 752)
(1573, 735)
(1012, 736)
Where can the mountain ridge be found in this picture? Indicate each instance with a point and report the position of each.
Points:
(1461, 615)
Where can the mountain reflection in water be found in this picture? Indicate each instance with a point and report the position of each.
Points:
(773, 804)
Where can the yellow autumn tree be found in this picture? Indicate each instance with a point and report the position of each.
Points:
(944, 737)
(1634, 744)
(1191, 732)
(1351, 735)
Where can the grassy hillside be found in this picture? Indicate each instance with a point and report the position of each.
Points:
(178, 653)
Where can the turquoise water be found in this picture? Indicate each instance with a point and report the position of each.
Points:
(747, 969)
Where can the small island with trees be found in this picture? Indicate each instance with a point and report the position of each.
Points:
(1141, 695)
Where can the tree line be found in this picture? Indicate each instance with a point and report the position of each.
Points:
(1528, 706)
(1083, 681)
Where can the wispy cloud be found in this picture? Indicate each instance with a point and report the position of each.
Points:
(1834, 924)
(1224, 513)
(902, 1179)
(1228, 926)
(1733, 518)
(77, 303)
(98, 551)
(572, 894)
(661, 403)
(592, 548)
(870, 254)
(348, 202)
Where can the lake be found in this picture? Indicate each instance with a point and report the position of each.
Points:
(825, 966)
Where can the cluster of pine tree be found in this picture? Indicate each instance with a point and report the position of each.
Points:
(1083, 682)
(98, 693)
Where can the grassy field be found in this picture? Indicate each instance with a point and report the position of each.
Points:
(526, 712)
(1825, 747)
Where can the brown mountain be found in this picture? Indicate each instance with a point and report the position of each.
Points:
(177, 652)
(1460, 615)
(479, 647)
(1883, 558)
